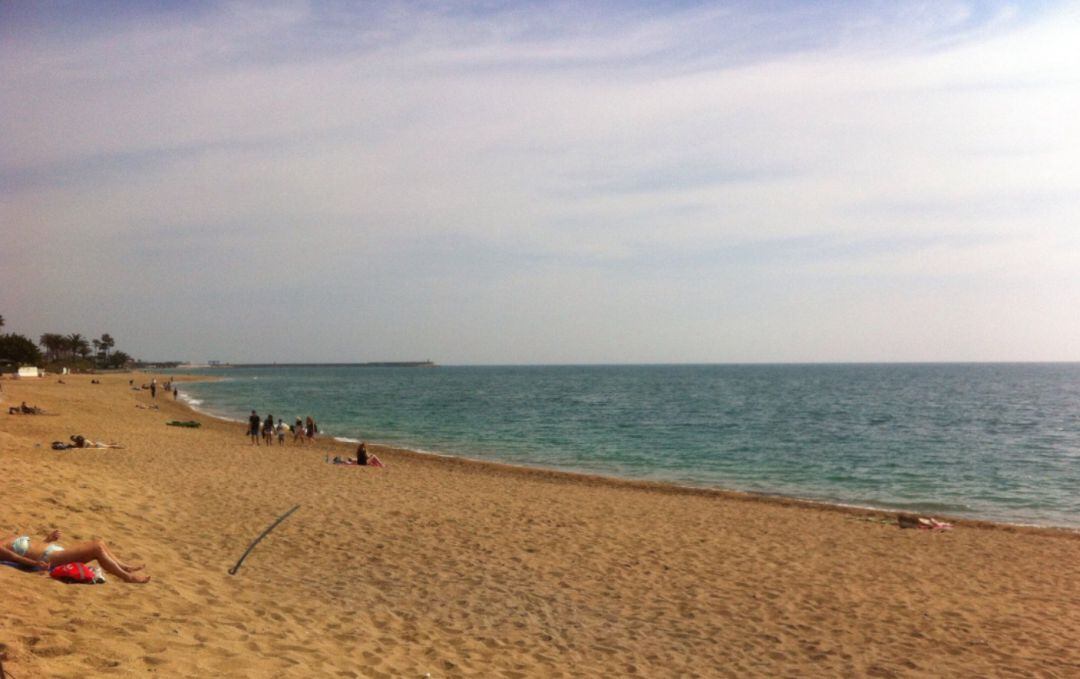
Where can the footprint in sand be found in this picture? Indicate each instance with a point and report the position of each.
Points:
(49, 651)
(101, 664)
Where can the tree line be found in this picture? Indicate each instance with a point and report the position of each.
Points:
(74, 350)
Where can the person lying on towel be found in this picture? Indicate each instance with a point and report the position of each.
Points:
(23, 550)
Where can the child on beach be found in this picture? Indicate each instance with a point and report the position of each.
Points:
(298, 431)
(281, 432)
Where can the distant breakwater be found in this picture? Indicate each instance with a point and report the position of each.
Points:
(374, 364)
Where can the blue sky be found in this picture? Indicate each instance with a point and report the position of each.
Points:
(544, 182)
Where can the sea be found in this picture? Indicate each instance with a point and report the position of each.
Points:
(999, 442)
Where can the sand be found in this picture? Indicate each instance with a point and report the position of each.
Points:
(454, 568)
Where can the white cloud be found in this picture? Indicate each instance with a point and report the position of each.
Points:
(583, 164)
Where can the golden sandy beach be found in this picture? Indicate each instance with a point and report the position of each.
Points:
(452, 568)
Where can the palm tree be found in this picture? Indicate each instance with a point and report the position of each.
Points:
(75, 344)
(79, 345)
(107, 343)
(53, 344)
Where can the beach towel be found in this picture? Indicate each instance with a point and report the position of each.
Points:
(77, 573)
(21, 567)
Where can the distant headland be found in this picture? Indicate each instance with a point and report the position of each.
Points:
(179, 365)
(375, 364)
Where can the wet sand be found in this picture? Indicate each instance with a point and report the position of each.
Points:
(455, 568)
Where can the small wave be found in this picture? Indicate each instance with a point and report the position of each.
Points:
(346, 439)
(922, 506)
(194, 404)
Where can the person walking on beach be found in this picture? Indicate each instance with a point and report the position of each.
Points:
(311, 428)
(253, 427)
(298, 431)
(153, 388)
(281, 432)
(268, 430)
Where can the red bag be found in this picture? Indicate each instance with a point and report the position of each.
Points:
(75, 572)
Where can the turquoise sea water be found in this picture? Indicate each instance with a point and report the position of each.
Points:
(992, 441)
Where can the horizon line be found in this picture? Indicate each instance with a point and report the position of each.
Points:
(614, 364)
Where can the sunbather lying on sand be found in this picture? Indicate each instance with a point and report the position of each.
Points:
(78, 441)
(21, 549)
(921, 522)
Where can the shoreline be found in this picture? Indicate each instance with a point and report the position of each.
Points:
(457, 568)
(659, 484)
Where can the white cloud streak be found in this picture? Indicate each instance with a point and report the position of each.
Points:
(550, 184)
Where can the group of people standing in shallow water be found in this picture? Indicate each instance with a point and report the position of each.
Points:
(267, 429)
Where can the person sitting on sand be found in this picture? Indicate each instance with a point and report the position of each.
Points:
(21, 549)
(363, 457)
(25, 410)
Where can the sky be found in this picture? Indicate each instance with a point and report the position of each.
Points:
(539, 182)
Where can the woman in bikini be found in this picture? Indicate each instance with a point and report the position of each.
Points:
(80, 441)
(24, 551)
(366, 459)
